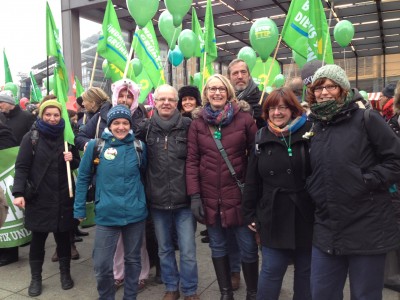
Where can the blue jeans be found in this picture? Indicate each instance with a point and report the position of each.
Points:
(244, 236)
(105, 243)
(329, 272)
(234, 253)
(273, 269)
(182, 220)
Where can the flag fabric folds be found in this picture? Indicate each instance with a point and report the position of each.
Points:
(7, 71)
(79, 90)
(196, 28)
(61, 84)
(36, 93)
(306, 22)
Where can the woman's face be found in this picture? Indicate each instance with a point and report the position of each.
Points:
(329, 90)
(120, 128)
(280, 115)
(217, 94)
(188, 104)
(51, 115)
(89, 105)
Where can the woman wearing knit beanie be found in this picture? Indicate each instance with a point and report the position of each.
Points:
(355, 157)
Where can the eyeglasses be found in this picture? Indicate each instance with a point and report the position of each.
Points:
(166, 99)
(215, 89)
(329, 88)
(280, 108)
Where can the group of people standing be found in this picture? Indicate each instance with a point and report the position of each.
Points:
(309, 190)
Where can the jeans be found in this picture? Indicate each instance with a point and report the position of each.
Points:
(329, 272)
(105, 244)
(273, 269)
(187, 276)
(234, 253)
(244, 236)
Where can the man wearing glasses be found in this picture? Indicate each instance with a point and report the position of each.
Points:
(166, 137)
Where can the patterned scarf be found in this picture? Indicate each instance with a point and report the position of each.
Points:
(325, 111)
(290, 128)
(50, 131)
(220, 118)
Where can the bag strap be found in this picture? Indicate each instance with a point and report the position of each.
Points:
(226, 159)
(98, 127)
(139, 151)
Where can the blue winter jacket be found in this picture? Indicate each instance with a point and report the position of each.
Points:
(120, 197)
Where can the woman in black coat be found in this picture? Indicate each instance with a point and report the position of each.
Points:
(276, 204)
(41, 161)
(355, 157)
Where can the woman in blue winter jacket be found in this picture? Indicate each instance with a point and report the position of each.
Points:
(120, 202)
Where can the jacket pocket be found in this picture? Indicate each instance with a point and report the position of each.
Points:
(181, 147)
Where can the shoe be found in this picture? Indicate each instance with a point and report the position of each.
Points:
(74, 252)
(157, 279)
(54, 258)
(77, 239)
(118, 283)
(65, 273)
(174, 295)
(141, 285)
(192, 297)
(235, 278)
(78, 232)
(204, 232)
(205, 240)
(35, 287)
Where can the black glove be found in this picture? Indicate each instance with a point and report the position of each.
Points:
(197, 208)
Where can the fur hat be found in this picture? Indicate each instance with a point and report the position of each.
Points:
(118, 111)
(334, 73)
(46, 104)
(132, 87)
(6, 96)
(388, 91)
(188, 90)
(308, 70)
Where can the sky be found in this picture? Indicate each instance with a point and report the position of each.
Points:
(23, 33)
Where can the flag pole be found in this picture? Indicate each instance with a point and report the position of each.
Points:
(270, 69)
(47, 75)
(204, 68)
(71, 192)
(94, 69)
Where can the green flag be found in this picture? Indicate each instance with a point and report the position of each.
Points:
(306, 24)
(146, 47)
(196, 28)
(111, 44)
(79, 90)
(210, 46)
(7, 72)
(61, 84)
(36, 93)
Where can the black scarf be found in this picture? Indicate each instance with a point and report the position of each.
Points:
(166, 125)
(249, 90)
(50, 131)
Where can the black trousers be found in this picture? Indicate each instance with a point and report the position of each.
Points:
(39, 240)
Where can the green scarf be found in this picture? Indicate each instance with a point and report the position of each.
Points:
(325, 111)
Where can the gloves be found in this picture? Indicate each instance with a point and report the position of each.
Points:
(197, 208)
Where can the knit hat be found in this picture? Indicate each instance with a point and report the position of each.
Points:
(48, 103)
(308, 70)
(188, 90)
(334, 73)
(79, 100)
(6, 96)
(118, 111)
(132, 87)
(388, 91)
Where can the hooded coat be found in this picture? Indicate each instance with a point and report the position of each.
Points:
(207, 173)
(353, 165)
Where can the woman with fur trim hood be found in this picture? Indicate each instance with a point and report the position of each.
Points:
(189, 99)
(355, 157)
(215, 194)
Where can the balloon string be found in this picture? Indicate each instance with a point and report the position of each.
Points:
(270, 69)
(327, 33)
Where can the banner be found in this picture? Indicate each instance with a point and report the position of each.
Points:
(13, 232)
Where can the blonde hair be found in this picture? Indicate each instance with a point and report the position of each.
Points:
(231, 96)
(95, 95)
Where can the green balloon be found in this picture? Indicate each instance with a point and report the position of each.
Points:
(264, 37)
(300, 60)
(188, 43)
(13, 88)
(51, 83)
(279, 80)
(197, 80)
(343, 33)
(249, 56)
(106, 69)
(178, 9)
(142, 11)
(364, 94)
(137, 66)
(167, 29)
(269, 89)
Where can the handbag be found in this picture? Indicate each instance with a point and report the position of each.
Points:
(30, 193)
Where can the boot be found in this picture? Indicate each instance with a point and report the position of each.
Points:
(35, 288)
(223, 272)
(235, 279)
(8, 256)
(79, 232)
(250, 274)
(74, 252)
(65, 275)
(54, 258)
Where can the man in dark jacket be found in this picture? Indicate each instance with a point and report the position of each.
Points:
(18, 120)
(246, 89)
(166, 137)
